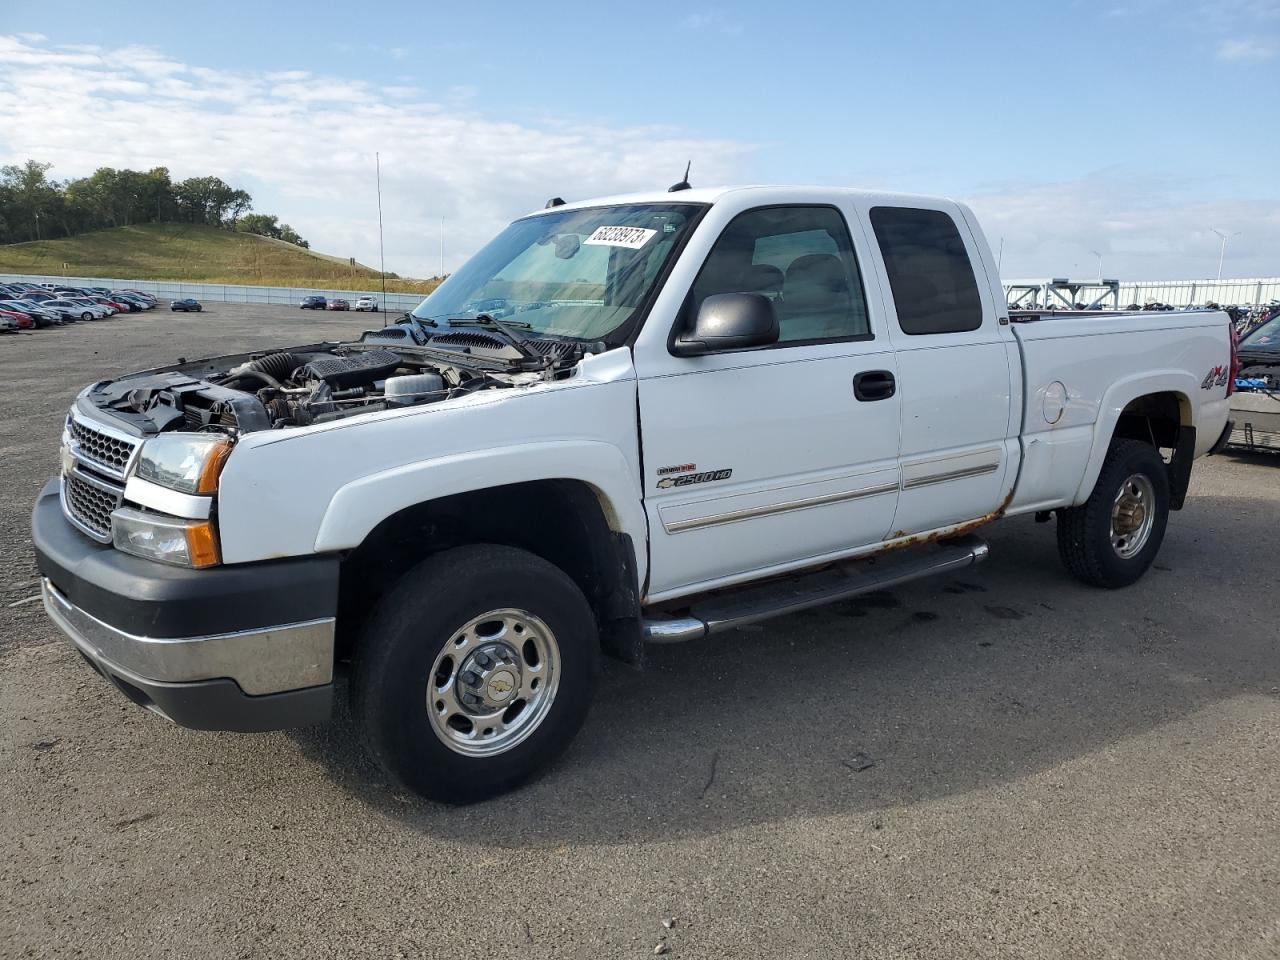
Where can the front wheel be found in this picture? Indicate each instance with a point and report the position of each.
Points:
(1112, 538)
(86, 316)
(475, 671)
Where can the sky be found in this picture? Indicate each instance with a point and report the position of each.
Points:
(1129, 129)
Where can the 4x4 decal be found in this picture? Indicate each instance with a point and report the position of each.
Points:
(1217, 377)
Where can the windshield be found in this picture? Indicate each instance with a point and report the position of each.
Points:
(576, 273)
(1267, 335)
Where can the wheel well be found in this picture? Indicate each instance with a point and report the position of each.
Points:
(1164, 420)
(1156, 418)
(562, 521)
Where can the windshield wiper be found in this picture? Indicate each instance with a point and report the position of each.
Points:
(488, 320)
(420, 322)
(532, 359)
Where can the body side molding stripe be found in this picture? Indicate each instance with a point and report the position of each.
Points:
(950, 475)
(748, 513)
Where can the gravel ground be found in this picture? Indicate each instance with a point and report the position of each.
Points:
(1007, 765)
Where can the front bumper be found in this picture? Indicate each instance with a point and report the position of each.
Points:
(246, 647)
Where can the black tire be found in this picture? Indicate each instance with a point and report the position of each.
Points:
(410, 627)
(86, 316)
(1084, 532)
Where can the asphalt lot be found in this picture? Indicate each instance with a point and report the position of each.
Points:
(1006, 765)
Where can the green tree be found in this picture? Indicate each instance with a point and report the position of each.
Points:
(288, 234)
(32, 198)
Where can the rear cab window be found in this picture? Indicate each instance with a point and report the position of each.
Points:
(930, 273)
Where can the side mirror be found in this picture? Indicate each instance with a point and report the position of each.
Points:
(729, 321)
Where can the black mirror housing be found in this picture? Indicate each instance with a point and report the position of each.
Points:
(729, 321)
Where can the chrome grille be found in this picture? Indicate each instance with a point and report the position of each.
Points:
(88, 501)
(93, 476)
(101, 448)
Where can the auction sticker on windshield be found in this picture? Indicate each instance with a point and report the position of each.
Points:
(633, 238)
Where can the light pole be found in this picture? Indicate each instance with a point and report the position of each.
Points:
(1099, 256)
(1223, 252)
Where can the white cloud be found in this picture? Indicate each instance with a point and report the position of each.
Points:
(1050, 230)
(1249, 49)
(303, 144)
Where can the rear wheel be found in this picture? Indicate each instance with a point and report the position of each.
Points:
(474, 672)
(1112, 538)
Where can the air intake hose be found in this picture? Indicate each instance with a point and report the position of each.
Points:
(278, 365)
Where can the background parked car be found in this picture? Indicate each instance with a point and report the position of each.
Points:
(41, 317)
(135, 304)
(145, 300)
(82, 311)
(313, 302)
(88, 302)
(7, 323)
(22, 321)
(186, 305)
(339, 304)
(65, 314)
(367, 304)
(116, 305)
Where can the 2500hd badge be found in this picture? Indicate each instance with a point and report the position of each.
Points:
(706, 476)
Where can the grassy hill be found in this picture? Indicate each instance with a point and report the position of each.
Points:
(177, 251)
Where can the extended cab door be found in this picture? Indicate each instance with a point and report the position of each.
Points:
(957, 365)
(764, 459)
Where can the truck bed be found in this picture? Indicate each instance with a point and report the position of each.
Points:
(1080, 369)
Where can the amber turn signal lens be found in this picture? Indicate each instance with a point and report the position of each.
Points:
(202, 544)
(208, 482)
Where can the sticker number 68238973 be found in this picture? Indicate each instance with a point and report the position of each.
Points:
(633, 238)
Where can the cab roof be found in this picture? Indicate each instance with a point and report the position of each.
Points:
(765, 194)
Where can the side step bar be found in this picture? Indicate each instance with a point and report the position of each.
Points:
(850, 578)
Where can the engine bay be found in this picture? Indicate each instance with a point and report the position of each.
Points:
(402, 365)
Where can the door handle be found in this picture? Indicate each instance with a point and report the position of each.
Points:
(873, 385)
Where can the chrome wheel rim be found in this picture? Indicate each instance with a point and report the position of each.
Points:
(1133, 514)
(493, 683)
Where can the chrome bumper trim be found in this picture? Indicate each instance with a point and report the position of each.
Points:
(270, 660)
(162, 499)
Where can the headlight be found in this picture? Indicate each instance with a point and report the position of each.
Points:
(187, 462)
(184, 543)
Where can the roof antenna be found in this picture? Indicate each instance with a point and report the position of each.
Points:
(683, 184)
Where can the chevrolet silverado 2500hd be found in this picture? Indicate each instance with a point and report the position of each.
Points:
(623, 421)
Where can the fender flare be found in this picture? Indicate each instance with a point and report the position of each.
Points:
(357, 507)
(1120, 395)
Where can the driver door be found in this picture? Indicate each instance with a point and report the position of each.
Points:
(771, 458)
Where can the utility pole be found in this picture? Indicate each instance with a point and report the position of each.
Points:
(37, 213)
(442, 249)
(382, 256)
(1099, 256)
(1222, 253)
(1000, 255)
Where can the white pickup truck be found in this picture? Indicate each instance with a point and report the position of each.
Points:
(640, 419)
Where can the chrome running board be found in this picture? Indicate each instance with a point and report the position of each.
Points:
(737, 607)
